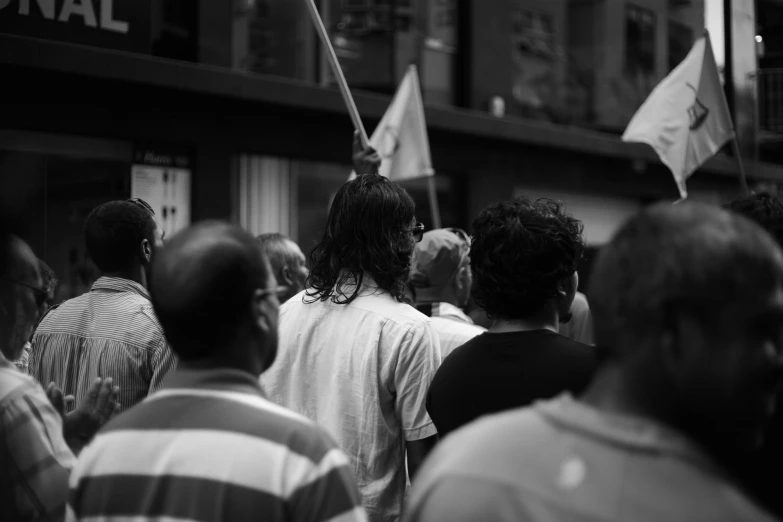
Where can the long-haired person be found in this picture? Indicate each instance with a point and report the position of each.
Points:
(353, 356)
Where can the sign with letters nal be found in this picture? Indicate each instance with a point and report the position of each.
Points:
(109, 24)
(164, 181)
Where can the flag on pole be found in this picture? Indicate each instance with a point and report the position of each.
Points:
(401, 136)
(686, 118)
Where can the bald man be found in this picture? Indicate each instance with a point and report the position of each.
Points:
(35, 458)
(287, 260)
(209, 446)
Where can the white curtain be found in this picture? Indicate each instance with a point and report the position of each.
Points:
(265, 195)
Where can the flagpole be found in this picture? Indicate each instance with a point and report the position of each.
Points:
(338, 72)
(431, 188)
(434, 210)
(743, 180)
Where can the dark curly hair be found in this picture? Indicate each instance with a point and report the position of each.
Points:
(764, 209)
(520, 251)
(367, 231)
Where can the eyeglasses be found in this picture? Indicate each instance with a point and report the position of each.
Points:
(417, 231)
(143, 204)
(40, 295)
(273, 291)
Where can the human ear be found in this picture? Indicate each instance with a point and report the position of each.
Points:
(146, 251)
(261, 311)
(285, 275)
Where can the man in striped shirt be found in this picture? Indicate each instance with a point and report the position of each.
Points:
(209, 446)
(111, 330)
(35, 458)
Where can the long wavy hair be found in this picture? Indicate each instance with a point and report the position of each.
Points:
(367, 232)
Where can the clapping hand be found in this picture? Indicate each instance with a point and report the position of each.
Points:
(98, 407)
(365, 161)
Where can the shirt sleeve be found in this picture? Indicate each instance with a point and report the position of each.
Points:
(419, 359)
(463, 499)
(36, 456)
(327, 492)
(163, 361)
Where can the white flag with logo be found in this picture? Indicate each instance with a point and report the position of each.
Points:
(401, 136)
(686, 118)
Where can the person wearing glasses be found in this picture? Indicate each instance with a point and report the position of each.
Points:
(354, 357)
(37, 441)
(441, 280)
(46, 302)
(112, 329)
(523, 257)
(209, 446)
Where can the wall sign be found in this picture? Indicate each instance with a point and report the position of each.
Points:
(164, 181)
(115, 24)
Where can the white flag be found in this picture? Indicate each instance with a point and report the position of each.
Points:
(686, 118)
(401, 136)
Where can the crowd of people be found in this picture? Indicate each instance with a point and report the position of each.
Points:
(217, 376)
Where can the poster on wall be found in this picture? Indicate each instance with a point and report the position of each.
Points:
(163, 181)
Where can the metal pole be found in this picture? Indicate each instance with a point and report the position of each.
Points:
(434, 209)
(743, 180)
(338, 72)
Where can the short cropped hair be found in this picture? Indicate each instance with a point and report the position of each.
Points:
(673, 260)
(521, 250)
(764, 209)
(114, 232)
(48, 275)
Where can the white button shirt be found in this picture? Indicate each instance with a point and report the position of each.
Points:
(361, 371)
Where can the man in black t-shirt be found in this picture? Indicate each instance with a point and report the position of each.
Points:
(523, 258)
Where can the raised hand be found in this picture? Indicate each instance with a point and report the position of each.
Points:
(365, 161)
(97, 408)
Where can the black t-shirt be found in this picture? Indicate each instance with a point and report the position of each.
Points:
(499, 371)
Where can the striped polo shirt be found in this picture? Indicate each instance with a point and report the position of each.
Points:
(111, 331)
(210, 447)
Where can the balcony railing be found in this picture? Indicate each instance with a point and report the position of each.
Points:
(771, 100)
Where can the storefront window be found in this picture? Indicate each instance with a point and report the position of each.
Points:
(537, 59)
(440, 53)
(639, 41)
(50, 183)
(274, 37)
(375, 40)
(769, 50)
(680, 42)
(293, 197)
(586, 63)
(174, 29)
(57, 181)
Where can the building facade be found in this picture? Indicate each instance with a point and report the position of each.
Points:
(218, 109)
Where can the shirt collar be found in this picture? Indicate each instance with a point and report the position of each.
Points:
(368, 287)
(119, 284)
(634, 433)
(450, 311)
(220, 379)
